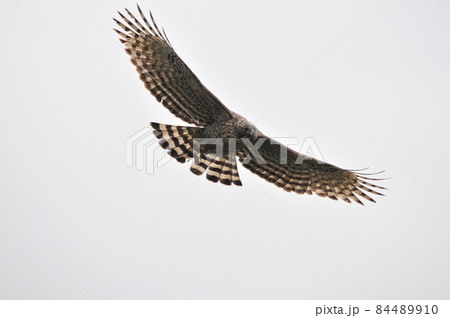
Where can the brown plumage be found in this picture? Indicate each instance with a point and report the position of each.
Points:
(174, 85)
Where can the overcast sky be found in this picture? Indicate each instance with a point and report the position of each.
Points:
(378, 97)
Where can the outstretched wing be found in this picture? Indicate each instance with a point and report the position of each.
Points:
(165, 75)
(301, 174)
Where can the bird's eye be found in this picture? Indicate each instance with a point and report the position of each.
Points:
(250, 131)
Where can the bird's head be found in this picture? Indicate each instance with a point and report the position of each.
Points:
(247, 130)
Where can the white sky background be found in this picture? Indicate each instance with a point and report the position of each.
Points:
(69, 205)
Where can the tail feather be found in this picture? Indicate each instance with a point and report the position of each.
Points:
(224, 170)
(214, 171)
(202, 164)
(225, 174)
(176, 139)
(179, 140)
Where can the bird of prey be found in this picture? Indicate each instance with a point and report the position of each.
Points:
(174, 85)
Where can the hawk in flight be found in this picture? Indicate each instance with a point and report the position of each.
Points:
(174, 85)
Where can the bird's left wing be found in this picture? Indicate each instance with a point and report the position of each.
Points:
(301, 174)
(165, 75)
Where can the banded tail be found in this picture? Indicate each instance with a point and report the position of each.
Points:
(179, 141)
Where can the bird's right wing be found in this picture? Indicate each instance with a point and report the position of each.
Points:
(301, 174)
(165, 75)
